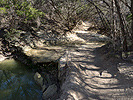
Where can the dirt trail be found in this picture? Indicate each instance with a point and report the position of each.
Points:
(83, 80)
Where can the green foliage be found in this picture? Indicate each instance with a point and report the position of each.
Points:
(25, 9)
(3, 10)
(129, 17)
(22, 9)
(2, 2)
(17, 13)
(12, 33)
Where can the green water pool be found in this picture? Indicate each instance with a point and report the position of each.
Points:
(17, 83)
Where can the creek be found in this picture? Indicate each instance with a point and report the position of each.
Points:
(17, 83)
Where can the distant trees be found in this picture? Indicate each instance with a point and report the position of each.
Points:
(67, 13)
(22, 14)
(113, 17)
(116, 18)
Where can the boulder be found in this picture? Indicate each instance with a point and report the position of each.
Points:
(51, 90)
(38, 79)
(2, 58)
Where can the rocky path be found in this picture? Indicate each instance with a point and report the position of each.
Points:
(83, 79)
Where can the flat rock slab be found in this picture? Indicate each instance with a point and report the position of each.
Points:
(45, 54)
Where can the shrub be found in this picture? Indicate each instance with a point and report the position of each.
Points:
(18, 14)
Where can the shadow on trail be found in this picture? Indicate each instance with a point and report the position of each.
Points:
(92, 80)
(79, 89)
(111, 65)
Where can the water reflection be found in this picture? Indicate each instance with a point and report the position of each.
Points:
(16, 82)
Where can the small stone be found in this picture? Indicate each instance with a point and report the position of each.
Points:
(38, 79)
(51, 90)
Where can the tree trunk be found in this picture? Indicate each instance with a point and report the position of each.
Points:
(132, 22)
(122, 26)
(113, 23)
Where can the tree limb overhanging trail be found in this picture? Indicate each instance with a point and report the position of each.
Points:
(91, 76)
(100, 12)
